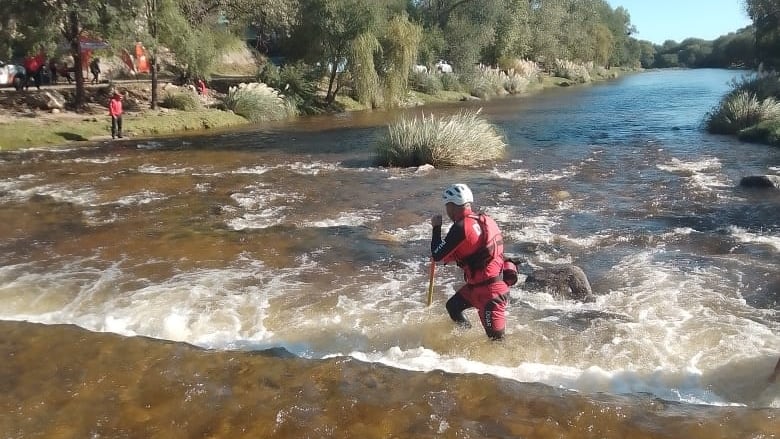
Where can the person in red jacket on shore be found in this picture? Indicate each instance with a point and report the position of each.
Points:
(475, 243)
(115, 111)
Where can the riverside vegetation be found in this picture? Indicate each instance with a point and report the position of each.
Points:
(183, 110)
(349, 54)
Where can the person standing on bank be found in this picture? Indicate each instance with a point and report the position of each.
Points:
(475, 243)
(115, 111)
(94, 68)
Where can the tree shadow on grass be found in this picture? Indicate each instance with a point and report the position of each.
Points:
(72, 136)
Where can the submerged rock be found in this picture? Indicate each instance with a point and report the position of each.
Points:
(761, 181)
(562, 280)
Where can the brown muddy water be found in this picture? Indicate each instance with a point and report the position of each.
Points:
(270, 282)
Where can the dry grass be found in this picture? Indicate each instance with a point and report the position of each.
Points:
(741, 110)
(463, 139)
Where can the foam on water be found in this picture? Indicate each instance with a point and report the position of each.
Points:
(753, 238)
(165, 170)
(702, 175)
(679, 332)
(356, 218)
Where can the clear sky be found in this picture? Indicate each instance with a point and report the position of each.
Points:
(661, 20)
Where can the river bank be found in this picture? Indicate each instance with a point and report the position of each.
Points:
(22, 125)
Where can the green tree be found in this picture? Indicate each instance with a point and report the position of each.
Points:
(325, 33)
(400, 43)
(66, 20)
(766, 19)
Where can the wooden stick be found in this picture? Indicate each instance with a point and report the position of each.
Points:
(432, 272)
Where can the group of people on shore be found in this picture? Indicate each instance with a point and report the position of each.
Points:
(36, 69)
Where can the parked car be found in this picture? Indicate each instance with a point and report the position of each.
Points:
(12, 74)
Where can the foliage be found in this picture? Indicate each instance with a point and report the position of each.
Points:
(181, 100)
(298, 85)
(741, 110)
(766, 19)
(426, 82)
(364, 75)
(485, 84)
(43, 27)
(257, 102)
(765, 132)
(463, 139)
(400, 43)
(570, 70)
(325, 32)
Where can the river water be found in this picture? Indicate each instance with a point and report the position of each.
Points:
(271, 281)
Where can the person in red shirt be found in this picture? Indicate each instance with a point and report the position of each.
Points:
(202, 89)
(115, 111)
(475, 243)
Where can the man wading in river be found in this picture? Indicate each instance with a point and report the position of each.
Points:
(474, 242)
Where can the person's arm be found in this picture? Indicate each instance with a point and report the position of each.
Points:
(443, 250)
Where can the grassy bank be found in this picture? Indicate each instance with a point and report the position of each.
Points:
(51, 130)
(46, 129)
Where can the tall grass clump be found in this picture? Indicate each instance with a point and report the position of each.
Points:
(463, 139)
(763, 85)
(739, 111)
(573, 71)
(181, 100)
(257, 102)
(428, 83)
(485, 84)
(450, 82)
(525, 68)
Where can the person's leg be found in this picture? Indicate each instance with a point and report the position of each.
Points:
(493, 316)
(114, 124)
(455, 307)
(119, 126)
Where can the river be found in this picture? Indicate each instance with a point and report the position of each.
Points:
(271, 281)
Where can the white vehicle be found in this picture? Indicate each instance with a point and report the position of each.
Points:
(12, 74)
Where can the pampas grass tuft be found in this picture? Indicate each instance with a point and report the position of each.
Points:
(463, 139)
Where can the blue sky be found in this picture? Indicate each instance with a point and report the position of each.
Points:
(661, 20)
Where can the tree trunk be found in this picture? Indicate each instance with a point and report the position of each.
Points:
(75, 49)
(153, 71)
(331, 95)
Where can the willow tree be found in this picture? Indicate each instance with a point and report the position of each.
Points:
(400, 46)
(365, 79)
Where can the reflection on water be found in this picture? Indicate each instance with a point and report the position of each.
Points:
(286, 235)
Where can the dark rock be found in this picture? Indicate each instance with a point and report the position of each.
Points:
(761, 181)
(562, 280)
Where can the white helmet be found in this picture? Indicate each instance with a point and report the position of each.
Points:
(459, 194)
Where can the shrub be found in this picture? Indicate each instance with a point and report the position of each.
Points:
(761, 85)
(766, 132)
(257, 102)
(298, 85)
(450, 82)
(429, 83)
(527, 69)
(181, 100)
(515, 83)
(463, 139)
(271, 75)
(573, 71)
(485, 84)
(739, 111)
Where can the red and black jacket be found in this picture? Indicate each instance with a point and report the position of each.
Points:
(475, 243)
